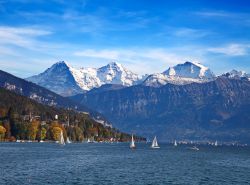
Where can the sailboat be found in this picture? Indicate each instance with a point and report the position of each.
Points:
(68, 141)
(175, 143)
(61, 141)
(90, 141)
(154, 143)
(216, 143)
(194, 148)
(132, 144)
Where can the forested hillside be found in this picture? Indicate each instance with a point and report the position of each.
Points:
(24, 119)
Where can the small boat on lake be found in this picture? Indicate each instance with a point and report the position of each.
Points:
(90, 141)
(216, 143)
(194, 148)
(132, 144)
(175, 143)
(61, 141)
(68, 141)
(155, 143)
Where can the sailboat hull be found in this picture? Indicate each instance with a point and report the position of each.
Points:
(155, 144)
(155, 147)
(132, 145)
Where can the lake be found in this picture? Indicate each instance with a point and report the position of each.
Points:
(107, 164)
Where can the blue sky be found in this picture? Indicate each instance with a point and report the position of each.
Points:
(145, 36)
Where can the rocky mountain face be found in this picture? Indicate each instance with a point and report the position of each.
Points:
(67, 81)
(59, 79)
(181, 74)
(219, 109)
(44, 96)
(234, 74)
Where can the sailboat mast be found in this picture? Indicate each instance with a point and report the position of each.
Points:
(132, 144)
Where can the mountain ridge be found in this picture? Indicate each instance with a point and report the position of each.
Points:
(217, 109)
(68, 81)
(71, 81)
(43, 95)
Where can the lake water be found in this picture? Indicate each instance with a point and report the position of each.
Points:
(107, 164)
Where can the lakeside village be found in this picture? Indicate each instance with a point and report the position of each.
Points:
(68, 125)
(15, 127)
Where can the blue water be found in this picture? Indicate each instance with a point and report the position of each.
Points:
(107, 164)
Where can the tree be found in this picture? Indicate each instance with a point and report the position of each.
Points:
(56, 133)
(11, 116)
(6, 125)
(2, 132)
(43, 133)
(79, 133)
(32, 130)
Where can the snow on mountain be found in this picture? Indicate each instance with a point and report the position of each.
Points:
(113, 73)
(58, 79)
(181, 74)
(237, 74)
(66, 80)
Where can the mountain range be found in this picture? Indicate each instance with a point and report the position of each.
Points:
(216, 110)
(65, 80)
(186, 101)
(45, 96)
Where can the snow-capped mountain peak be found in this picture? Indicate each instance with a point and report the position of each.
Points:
(180, 74)
(115, 73)
(61, 65)
(237, 74)
(82, 79)
(115, 64)
(57, 78)
(189, 70)
(67, 80)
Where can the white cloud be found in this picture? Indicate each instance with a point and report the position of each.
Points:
(232, 17)
(21, 36)
(214, 14)
(189, 32)
(231, 49)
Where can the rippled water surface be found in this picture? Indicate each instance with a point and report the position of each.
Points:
(107, 164)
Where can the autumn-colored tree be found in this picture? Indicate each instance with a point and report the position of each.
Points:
(56, 133)
(43, 133)
(2, 132)
(6, 125)
(93, 131)
(32, 130)
(57, 124)
(79, 134)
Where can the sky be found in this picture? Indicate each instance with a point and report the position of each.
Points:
(146, 36)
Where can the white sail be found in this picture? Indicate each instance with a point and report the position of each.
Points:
(132, 144)
(175, 143)
(61, 141)
(68, 141)
(216, 143)
(154, 143)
